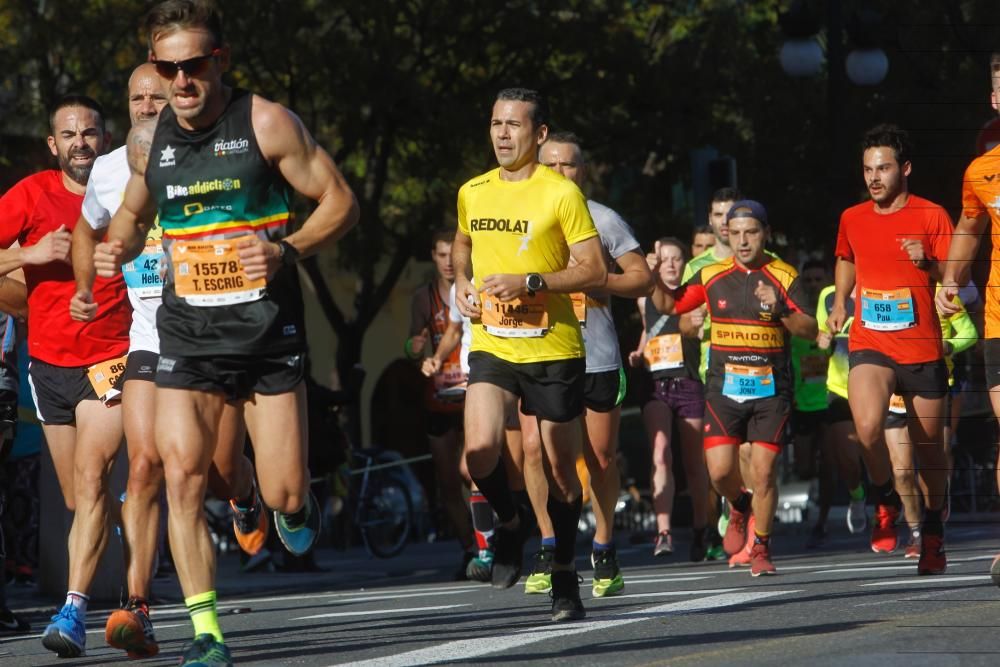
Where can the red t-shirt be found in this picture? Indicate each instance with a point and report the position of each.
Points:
(31, 209)
(902, 322)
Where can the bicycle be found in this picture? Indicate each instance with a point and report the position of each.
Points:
(383, 507)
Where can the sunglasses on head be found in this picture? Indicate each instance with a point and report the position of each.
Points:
(168, 69)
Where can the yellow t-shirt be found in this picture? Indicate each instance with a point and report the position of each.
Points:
(526, 227)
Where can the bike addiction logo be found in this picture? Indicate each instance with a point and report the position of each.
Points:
(203, 187)
(225, 147)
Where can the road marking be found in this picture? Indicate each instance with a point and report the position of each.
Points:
(660, 580)
(95, 631)
(930, 580)
(661, 594)
(372, 612)
(911, 566)
(470, 649)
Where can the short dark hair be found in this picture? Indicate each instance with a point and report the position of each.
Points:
(677, 243)
(75, 100)
(726, 194)
(703, 229)
(815, 264)
(540, 106)
(172, 15)
(890, 136)
(565, 138)
(442, 235)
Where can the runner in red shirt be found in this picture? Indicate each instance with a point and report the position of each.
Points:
(893, 248)
(73, 364)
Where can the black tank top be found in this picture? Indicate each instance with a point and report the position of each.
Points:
(658, 324)
(210, 185)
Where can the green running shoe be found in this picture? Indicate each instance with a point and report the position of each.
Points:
(715, 552)
(480, 567)
(607, 575)
(300, 539)
(205, 651)
(540, 579)
(723, 519)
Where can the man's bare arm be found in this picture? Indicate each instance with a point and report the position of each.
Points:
(635, 280)
(134, 218)
(466, 297)
(13, 296)
(801, 325)
(964, 244)
(311, 171)
(587, 270)
(844, 278)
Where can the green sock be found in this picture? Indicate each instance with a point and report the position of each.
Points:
(858, 493)
(203, 615)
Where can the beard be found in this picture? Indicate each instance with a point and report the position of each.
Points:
(79, 173)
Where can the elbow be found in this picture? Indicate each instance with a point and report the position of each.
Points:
(599, 277)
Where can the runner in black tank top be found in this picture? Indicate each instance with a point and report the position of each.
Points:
(220, 169)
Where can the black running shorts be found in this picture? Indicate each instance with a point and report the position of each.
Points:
(604, 391)
(238, 377)
(927, 380)
(550, 390)
(140, 365)
(57, 391)
(761, 421)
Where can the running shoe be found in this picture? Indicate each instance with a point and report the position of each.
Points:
(932, 556)
(817, 537)
(11, 623)
(884, 536)
(540, 579)
(715, 552)
(566, 604)
(760, 560)
(205, 651)
(607, 575)
(995, 571)
(699, 544)
(130, 630)
(723, 523)
(857, 516)
(664, 545)
(913, 546)
(461, 572)
(508, 554)
(250, 525)
(480, 568)
(742, 557)
(735, 537)
(66, 635)
(300, 539)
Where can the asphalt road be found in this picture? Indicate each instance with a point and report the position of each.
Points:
(840, 606)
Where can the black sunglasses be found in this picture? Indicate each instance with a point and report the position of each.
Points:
(191, 67)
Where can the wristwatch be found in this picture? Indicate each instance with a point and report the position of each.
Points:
(287, 253)
(534, 282)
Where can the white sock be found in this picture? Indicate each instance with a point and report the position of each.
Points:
(78, 600)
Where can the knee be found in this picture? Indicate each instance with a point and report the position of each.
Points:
(764, 475)
(286, 501)
(89, 483)
(144, 474)
(904, 477)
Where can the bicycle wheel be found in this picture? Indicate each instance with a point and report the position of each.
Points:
(385, 517)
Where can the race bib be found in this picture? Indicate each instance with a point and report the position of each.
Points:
(896, 405)
(450, 375)
(142, 274)
(521, 318)
(208, 273)
(748, 383)
(579, 300)
(887, 310)
(104, 376)
(813, 368)
(664, 352)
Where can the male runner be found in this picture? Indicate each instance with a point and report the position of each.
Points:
(72, 363)
(980, 192)
(604, 381)
(129, 628)
(221, 166)
(520, 226)
(889, 248)
(753, 299)
(429, 318)
(809, 366)
(702, 239)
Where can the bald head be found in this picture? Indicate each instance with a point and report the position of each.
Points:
(146, 95)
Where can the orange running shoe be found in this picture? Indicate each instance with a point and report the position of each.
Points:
(130, 630)
(884, 535)
(736, 532)
(760, 560)
(932, 557)
(742, 557)
(250, 526)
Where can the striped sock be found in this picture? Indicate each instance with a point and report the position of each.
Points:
(78, 600)
(203, 614)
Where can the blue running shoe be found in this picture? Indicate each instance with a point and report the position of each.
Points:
(300, 539)
(66, 635)
(205, 651)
